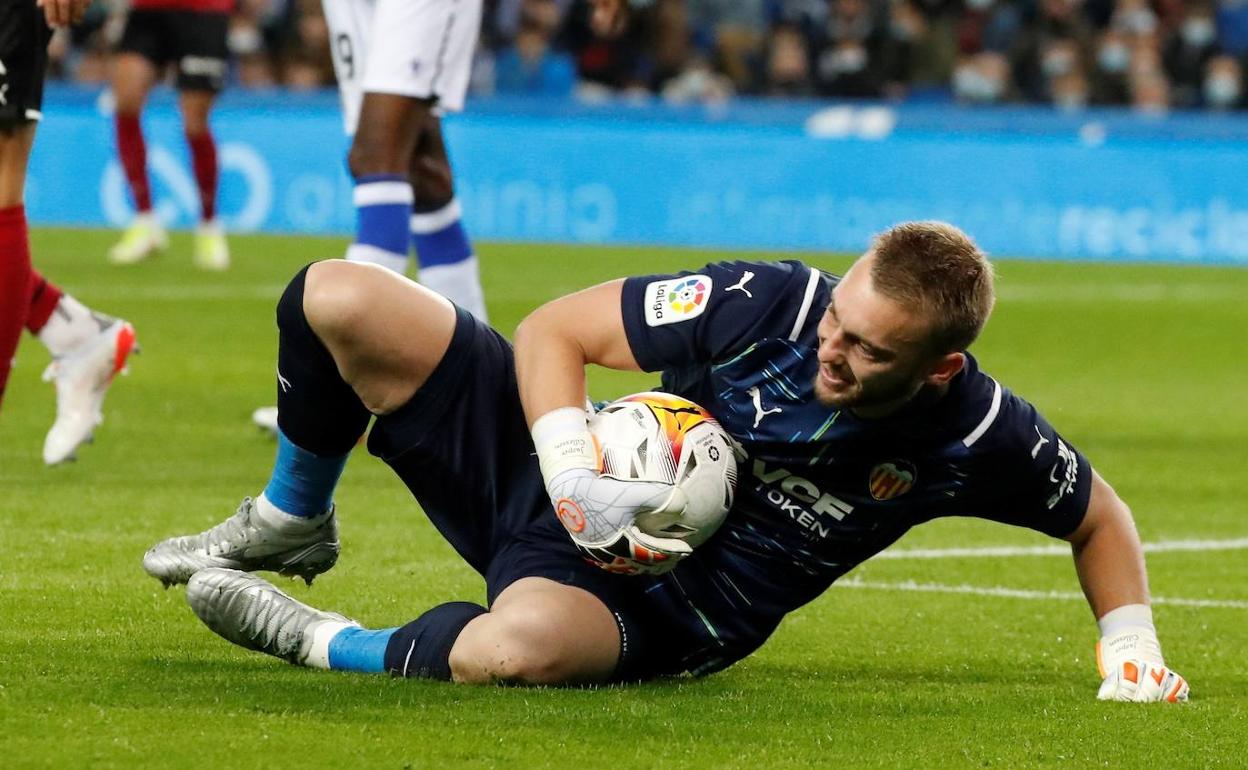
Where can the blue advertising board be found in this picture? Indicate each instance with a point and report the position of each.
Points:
(1026, 182)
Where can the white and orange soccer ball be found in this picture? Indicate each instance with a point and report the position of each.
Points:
(660, 437)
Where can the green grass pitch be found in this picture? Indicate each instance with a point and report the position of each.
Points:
(1142, 367)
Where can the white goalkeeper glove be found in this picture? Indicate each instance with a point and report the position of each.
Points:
(600, 512)
(1129, 658)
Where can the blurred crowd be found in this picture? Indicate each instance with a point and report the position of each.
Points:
(1153, 55)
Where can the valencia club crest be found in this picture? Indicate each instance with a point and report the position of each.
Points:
(891, 479)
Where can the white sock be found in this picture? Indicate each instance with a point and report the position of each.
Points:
(362, 252)
(70, 325)
(318, 656)
(286, 522)
(459, 282)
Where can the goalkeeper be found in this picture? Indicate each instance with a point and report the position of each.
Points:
(858, 411)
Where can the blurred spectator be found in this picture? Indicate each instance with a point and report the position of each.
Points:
(1059, 39)
(1224, 83)
(989, 25)
(1149, 89)
(733, 32)
(983, 78)
(1113, 60)
(1188, 52)
(849, 61)
(529, 66)
(788, 63)
(671, 41)
(698, 83)
(1069, 91)
(618, 64)
(1150, 54)
(1232, 18)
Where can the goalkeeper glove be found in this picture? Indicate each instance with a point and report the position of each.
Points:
(599, 512)
(1129, 658)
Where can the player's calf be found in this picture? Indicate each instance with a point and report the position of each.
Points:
(539, 633)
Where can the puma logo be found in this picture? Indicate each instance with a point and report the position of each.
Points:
(740, 285)
(1036, 449)
(757, 397)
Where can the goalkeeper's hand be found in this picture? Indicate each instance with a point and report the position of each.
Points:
(1130, 661)
(600, 514)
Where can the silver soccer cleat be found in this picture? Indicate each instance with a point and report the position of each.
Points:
(251, 612)
(246, 542)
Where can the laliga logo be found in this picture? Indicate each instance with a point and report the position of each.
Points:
(687, 296)
(183, 198)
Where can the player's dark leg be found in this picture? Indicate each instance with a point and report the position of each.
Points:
(211, 250)
(339, 357)
(202, 55)
(447, 262)
(15, 270)
(195, 107)
(337, 361)
(537, 631)
(381, 152)
(88, 349)
(132, 78)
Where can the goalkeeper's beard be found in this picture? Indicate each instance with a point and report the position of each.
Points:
(847, 391)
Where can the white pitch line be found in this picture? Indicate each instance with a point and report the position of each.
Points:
(1102, 292)
(1161, 546)
(1019, 593)
(188, 293)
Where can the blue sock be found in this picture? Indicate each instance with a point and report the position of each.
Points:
(439, 236)
(447, 264)
(359, 649)
(383, 203)
(302, 483)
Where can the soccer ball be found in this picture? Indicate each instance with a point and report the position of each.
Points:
(660, 437)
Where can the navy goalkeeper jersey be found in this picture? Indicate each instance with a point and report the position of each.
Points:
(821, 490)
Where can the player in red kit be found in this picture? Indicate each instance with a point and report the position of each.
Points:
(190, 35)
(88, 349)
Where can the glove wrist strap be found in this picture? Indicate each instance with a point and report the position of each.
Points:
(1128, 615)
(1128, 643)
(563, 442)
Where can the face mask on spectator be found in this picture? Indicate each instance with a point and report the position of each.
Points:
(1071, 101)
(1114, 57)
(1056, 62)
(973, 86)
(979, 5)
(243, 40)
(845, 60)
(1199, 32)
(903, 30)
(1139, 22)
(1222, 90)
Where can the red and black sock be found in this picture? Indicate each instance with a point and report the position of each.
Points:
(15, 272)
(133, 152)
(204, 164)
(44, 297)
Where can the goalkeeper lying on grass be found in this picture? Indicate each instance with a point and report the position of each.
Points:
(858, 414)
